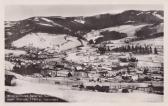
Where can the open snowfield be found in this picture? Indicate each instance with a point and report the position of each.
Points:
(82, 96)
(15, 52)
(45, 40)
(128, 29)
(160, 27)
(8, 65)
(153, 42)
(149, 60)
(150, 57)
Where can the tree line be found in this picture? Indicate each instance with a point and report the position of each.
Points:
(138, 49)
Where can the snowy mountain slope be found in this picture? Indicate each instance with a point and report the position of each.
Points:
(128, 29)
(157, 15)
(17, 29)
(160, 28)
(48, 22)
(125, 22)
(44, 40)
(154, 30)
(133, 16)
(150, 31)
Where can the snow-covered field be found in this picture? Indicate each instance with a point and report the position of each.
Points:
(45, 40)
(153, 42)
(160, 27)
(150, 57)
(8, 65)
(128, 29)
(149, 60)
(15, 52)
(82, 96)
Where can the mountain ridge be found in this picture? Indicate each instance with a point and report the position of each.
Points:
(77, 26)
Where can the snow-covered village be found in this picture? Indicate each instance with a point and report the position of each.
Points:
(98, 58)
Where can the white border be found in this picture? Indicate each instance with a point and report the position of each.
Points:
(83, 2)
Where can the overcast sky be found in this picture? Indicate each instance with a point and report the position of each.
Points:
(19, 12)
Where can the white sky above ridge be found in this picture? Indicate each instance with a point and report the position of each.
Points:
(19, 12)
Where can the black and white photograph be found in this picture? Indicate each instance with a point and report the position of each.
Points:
(84, 53)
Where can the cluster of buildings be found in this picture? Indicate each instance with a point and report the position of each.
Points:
(88, 69)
